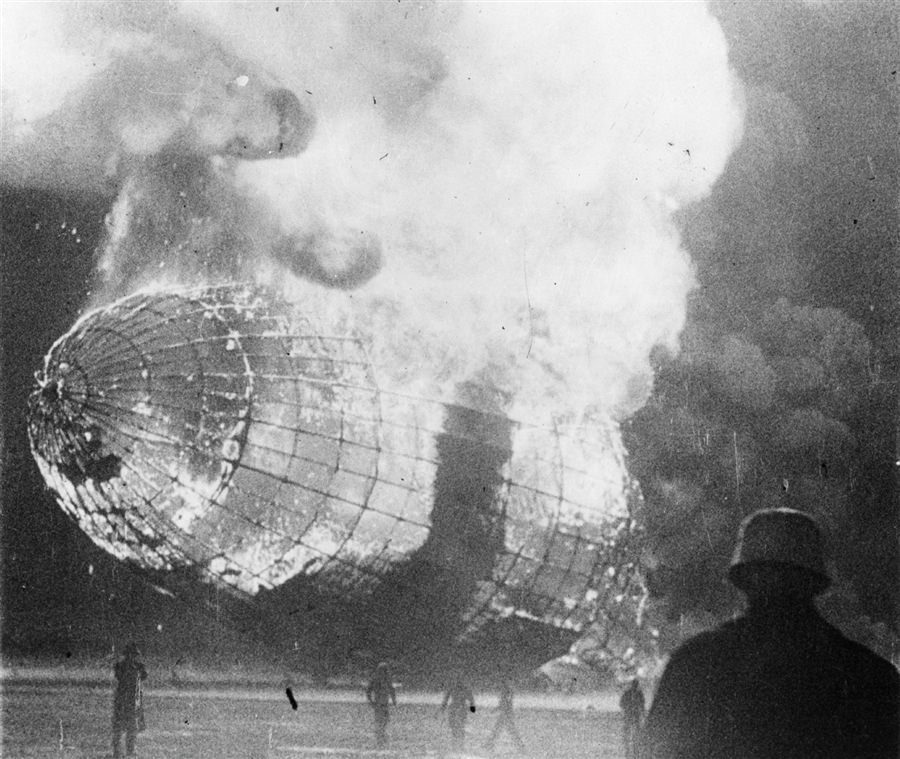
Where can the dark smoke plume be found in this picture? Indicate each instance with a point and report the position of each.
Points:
(785, 391)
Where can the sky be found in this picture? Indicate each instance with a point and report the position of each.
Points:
(584, 191)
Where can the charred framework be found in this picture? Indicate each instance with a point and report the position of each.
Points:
(222, 433)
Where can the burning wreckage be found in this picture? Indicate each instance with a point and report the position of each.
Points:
(225, 434)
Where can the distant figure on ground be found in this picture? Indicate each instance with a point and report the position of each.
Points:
(632, 705)
(128, 704)
(778, 681)
(381, 694)
(505, 719)
(458, 701)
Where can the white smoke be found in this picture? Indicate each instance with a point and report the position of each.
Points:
(519, 164)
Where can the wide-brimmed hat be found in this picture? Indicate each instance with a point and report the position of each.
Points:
(779, 536)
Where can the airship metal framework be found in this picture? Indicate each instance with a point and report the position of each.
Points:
(225, 430)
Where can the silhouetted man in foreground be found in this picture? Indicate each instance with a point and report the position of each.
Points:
(779, 682)
(128, 707)
(381, 694)
(633, 709)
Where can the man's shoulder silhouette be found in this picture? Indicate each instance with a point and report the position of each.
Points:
(779, 681)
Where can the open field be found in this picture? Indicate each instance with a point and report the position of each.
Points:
(45, 718)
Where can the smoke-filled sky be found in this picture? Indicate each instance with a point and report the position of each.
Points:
(537, 193)
(508, 170)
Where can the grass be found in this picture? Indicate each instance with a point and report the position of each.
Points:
(66, 719)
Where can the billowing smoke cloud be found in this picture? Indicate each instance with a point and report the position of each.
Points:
(763, 417)
(497, 180)
(783, 393)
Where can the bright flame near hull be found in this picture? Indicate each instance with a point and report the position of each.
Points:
(223, 430)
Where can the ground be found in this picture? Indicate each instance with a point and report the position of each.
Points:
(46, 717)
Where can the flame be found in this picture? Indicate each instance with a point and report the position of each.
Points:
(518, 164)
(522, 191)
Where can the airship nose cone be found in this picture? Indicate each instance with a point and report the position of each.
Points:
(196, 430)
(61, 431)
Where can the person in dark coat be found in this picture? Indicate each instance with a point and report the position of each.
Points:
(778, 682)
(633, 709)
(458, 701)
(128, 706)
(505, 719)
(381, 694)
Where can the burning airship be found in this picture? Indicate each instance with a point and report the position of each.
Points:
(226, 432)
